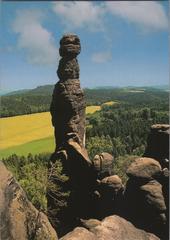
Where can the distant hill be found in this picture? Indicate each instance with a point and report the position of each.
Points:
(48, 89)
(17, 92)
(26, 101)
(161, 87)
(35, 100)
(4, 92)
(40, 90)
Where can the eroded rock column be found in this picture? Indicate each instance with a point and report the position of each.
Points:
(68, 104)
(158, 144)
(144, 197)
(68, 118)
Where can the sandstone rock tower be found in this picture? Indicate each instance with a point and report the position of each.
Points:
(158, 143)
(68, 104)
(68, 118)
(95, 191)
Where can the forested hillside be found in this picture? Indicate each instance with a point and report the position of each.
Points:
(122, 125)
(38, 99)
(32, 101)
(120, 128)
(123, 128)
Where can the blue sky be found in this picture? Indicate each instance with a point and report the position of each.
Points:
(123, 43)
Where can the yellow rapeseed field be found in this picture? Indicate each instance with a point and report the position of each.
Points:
(21, 129)
(110, 103)
(92, 109)
(18, 130)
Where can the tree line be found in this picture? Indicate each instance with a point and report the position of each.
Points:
(39, 100)
(123, 129)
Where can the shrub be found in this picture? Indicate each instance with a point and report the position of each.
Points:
(32, 174)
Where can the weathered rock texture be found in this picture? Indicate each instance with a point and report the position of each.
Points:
(95, 192)
(68, 118)
(103, 165)
(158, 144)
(144, 169)
(109, 197)
(145, 202)
(68, 104)
(19, 219)
(111, 228)
(158, 148)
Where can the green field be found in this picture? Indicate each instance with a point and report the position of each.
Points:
(35, 147)
(32, 133)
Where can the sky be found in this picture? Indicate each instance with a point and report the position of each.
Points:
(124, 43)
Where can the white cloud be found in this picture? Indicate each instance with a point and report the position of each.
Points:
(147, 14)
(34, 38)
(39, 43)
(101, 57)
(76, 14)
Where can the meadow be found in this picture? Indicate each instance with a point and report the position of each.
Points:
(34, 132)
(29, 133)
(110, 103)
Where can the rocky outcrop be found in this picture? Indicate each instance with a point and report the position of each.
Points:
(68, 118)
(153, 196)
(144, 197)
(158, 144)
(19, 219)
(103, 165)
(158, 148)
(68, 104)
(111, 228)
(79, 233)
(109, 196)
(112, 183)
(144, 169)
(95, 190)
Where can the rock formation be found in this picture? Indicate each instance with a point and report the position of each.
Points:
(144, 169)
(103, 165)
(109, 196)
(110, 228)
(19, 219)
(158, 144)
(158, 148)
(95, 191)
(68, 118)
(145, 203)
(68, 104)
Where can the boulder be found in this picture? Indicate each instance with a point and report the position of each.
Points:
(79, 233)
(111, 228)
(117, 228)
(91, 223)
(113, 182)
(145, 205)
(158, 143)
(109, 196)
(69, 45)
(153, 196)
(103, 164)
(144, 169)
(19, 218)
